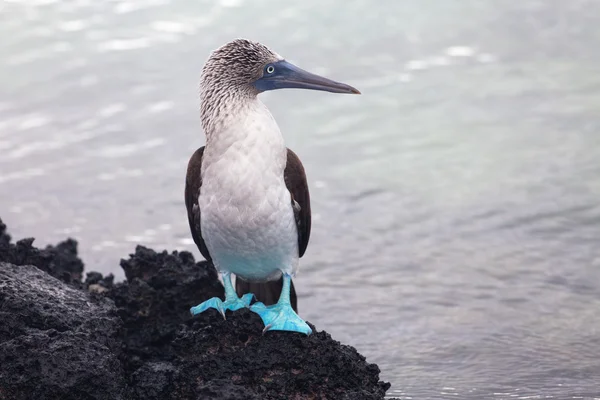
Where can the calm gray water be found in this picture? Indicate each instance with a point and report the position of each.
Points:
(456, 202)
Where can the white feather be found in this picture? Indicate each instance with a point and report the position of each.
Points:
(247, 220)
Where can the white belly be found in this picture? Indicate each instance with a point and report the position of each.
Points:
(255, 237)
(247, 219)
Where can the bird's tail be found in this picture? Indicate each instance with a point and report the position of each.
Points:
(265, 292)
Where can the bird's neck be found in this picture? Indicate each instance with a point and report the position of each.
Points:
(244, 125)
(219, 107)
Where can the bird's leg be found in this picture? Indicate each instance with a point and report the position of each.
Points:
(281, 316)
(232, 301)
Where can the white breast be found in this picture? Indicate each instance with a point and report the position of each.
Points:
(247, 219)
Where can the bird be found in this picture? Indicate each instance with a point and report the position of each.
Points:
(246, 193)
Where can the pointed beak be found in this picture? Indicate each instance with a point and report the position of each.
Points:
(288, 76)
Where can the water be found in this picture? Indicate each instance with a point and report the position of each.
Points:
(456, 202)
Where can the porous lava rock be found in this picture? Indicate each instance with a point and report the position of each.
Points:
(64, 338)
(55, 342)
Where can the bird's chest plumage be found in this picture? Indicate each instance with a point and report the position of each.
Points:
(242, 193)
(247, 218)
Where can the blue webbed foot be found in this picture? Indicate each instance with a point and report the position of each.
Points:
(232, 301)
(280, 317)
(229, 304)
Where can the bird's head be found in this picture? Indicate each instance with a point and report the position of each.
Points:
(249, 67)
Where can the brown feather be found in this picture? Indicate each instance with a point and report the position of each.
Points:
(193, 184)
(295, 181)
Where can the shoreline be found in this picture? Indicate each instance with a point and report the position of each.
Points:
(66, 337)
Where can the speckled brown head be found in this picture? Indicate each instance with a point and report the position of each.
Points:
(236, 66)
(241, 69)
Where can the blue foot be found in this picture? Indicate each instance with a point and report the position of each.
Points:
(221, 306)
(232, 301)
(280, 317)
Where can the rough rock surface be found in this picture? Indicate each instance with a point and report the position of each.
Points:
(60, 261)
(54, 342)
(67, 339)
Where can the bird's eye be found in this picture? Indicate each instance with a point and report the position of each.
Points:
(270, 69)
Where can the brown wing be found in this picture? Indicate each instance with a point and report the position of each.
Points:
(295, 180)
(193, 184)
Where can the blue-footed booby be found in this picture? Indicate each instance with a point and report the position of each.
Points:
(246, 193)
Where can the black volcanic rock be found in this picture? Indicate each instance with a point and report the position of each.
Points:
(55, 342)
(60, 261)
(156, 300)
(136, 339)
(4, 236)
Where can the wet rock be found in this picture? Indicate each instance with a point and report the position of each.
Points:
(136, 339)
